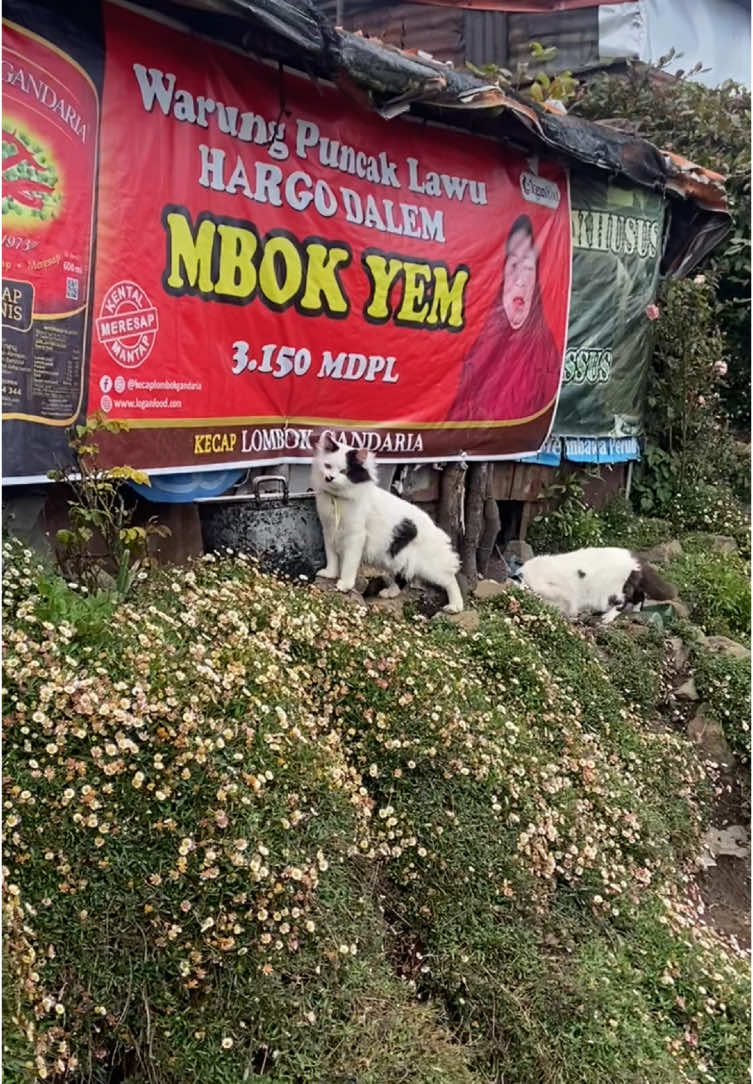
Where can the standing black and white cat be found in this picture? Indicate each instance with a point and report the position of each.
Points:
(599, 580)
(361, 521)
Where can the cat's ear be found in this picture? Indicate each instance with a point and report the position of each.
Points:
(362, 455)
(326, 443)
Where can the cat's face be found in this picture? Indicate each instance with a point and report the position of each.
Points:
(341, 468)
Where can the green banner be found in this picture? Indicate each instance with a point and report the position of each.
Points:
(617, 240)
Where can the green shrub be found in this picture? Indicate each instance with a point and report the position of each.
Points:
(723, 684)
(620, 526)
(691, 462)
(100, 516)
(716, 588)
(570, 524)
(262, 831)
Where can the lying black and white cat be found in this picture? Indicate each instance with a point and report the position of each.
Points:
(361, 521)
(600, 580)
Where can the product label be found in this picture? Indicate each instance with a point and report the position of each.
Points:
(49, 156)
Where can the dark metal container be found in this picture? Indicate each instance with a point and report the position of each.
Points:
(281, 531)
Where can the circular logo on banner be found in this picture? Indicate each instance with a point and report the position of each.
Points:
(127, 324)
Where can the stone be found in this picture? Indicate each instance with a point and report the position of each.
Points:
(722, 543)
(665, 551)
(678, 653)
(367, 574)
(681, 610)
(518, 549)
(469, 620)
(489, 589)
(687, 691)
(105, 581)
(387, 605)
(708, 734)
(370, 571)
(733, 841)
(330, 587)
(722, 645)
(652, 605)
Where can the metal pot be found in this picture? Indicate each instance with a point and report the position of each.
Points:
(281, 531)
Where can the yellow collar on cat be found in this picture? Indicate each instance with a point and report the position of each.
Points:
(336, 510)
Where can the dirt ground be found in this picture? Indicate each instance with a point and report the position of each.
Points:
(725, 888)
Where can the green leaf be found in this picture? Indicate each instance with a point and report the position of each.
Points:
(130, 475)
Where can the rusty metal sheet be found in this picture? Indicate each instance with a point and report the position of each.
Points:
(434, 30)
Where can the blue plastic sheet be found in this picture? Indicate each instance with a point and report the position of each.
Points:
(184, 488)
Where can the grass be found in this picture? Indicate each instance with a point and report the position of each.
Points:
(252, 830)
(636, 663)
(723, 684)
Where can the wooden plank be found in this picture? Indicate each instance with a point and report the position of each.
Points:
(529, 481)
(502, 481)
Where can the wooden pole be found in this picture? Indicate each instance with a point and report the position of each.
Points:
(476, 488)
(450, 513)
(492, 526)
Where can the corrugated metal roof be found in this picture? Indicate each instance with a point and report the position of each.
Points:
(393, 81)
(485, 37)
(435, 30)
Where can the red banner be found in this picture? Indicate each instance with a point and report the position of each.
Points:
(50, 126)
(272, 262)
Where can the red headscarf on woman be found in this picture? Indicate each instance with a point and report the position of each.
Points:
(513, 369)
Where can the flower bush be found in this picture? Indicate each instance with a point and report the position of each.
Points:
(252, 829)
(636, 662)
(691, 473)
(716, 588)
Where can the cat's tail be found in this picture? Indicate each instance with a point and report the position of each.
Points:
(652, 585)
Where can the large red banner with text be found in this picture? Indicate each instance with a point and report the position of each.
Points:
(272, 261)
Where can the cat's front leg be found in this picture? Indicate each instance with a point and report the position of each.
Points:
(332, 568)
(351, 560)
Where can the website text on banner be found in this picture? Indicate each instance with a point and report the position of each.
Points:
(269, 265)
